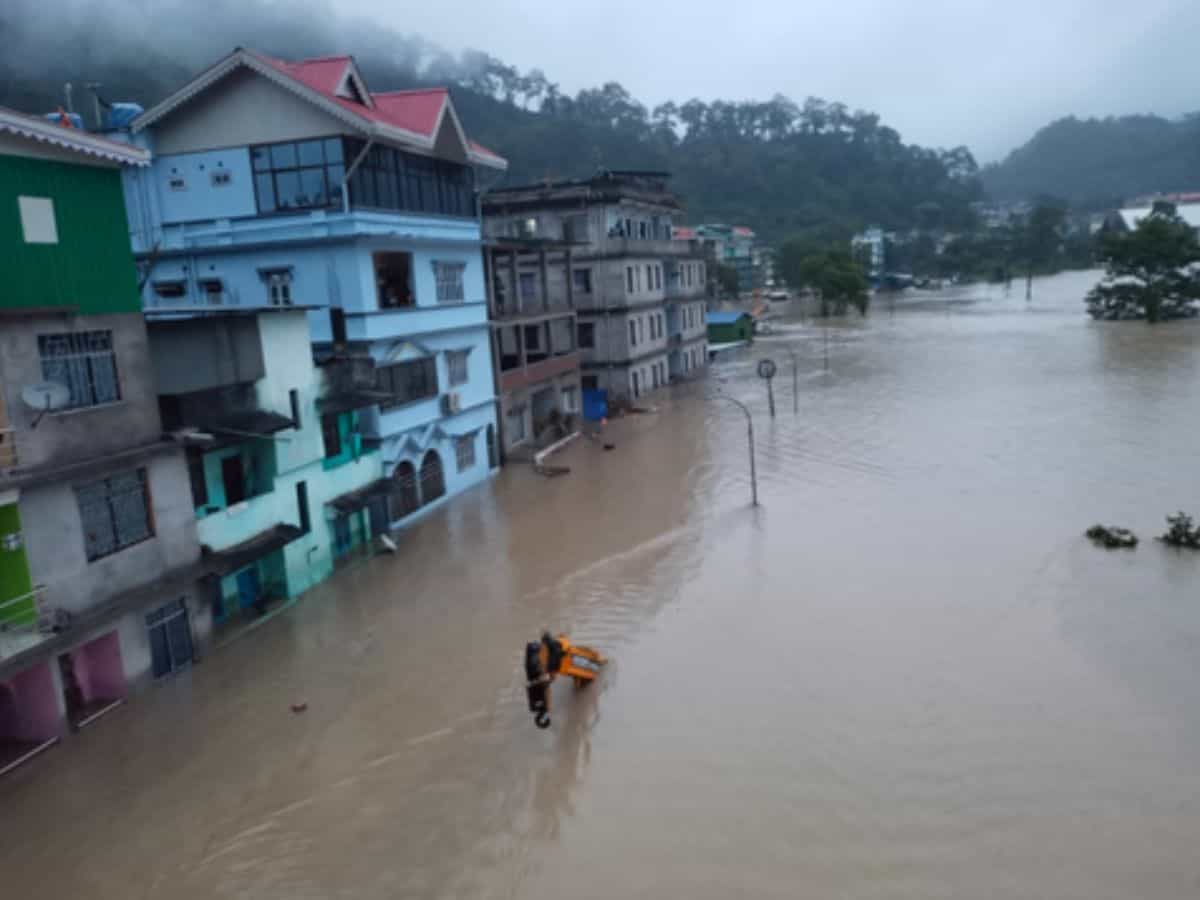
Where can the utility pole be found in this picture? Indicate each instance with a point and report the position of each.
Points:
(826, 329)
(750, 438)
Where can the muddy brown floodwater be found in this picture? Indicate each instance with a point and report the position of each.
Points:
(906, 675)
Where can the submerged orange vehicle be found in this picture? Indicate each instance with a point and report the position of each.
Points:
(550, 657)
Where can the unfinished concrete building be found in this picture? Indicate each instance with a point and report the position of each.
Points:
(638, 293)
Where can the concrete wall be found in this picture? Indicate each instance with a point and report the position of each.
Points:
(518, 404)
(612, 338)
(200, 354)
(200, 199)
(54, 543)
(618, 379)
(88, 432)
(243, 108)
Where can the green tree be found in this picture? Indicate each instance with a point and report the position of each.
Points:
(837, 279)
(1148, 271)
(727, 279)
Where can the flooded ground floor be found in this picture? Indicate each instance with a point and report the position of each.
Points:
(905, 674)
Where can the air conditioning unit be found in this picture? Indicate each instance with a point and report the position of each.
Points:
(451, 403)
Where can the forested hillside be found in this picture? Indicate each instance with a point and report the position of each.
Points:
(776, 165)
(1097, 163)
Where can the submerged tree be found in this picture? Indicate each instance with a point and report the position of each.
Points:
(837, 279)
(1149, 272)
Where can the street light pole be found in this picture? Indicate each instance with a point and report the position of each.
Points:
(750, 437)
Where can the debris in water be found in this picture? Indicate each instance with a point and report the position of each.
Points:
(610, 446)
(1181, 532)
(552, 471)
(1110, 536)
(299, 707)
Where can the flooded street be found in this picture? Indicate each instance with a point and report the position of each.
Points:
(905, 675)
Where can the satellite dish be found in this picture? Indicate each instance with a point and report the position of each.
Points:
(46, 395)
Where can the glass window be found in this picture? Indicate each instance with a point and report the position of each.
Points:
(449, 277)
(310, 153)
(84, 363)
(464, 452)
(629, 279)
(587, 334)
(632, 333)
(283, 156)
(408, 382)
(287, 189)
(333, 150)
(312, 187)
(527, 281)
(582, 280)
(115, 513)
(264, 185)
(456, 366)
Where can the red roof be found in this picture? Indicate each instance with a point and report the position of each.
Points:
(417, 111)
(684, 234)
(742, 231)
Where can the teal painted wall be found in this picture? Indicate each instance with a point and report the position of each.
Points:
(14, 573)
(91, 267)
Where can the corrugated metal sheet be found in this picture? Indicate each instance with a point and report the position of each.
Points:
(91, 266)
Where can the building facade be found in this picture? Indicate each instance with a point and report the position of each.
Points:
(283, 488)
(99, 556)
(534, 332)
(637, 292)
(278, 184)
(733, 246)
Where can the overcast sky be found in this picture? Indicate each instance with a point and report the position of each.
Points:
(986, 73)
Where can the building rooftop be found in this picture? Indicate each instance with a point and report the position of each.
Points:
(724, 318)
(75, 140)
(335, 84)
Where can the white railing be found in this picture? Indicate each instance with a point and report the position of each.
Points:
(25, 621)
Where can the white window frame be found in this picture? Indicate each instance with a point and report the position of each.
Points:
(458, 370)
(448, 280)
(38, 223)
(464, 452)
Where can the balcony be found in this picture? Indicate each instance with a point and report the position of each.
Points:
(638, 247)
(191, 303)
(26, 621)
(538, 371)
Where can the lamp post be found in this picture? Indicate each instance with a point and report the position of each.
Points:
(750, 436)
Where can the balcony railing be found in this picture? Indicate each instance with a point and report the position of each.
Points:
(26, 621)
(192, 301)
(8, 448)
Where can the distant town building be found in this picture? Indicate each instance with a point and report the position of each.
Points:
(638, 293)
(1130, 216)
(99, 558)
(871, 246)
(731, 245)
(531, 287)
(278, 184)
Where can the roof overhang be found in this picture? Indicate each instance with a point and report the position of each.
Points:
(73, 139)
(372, 128)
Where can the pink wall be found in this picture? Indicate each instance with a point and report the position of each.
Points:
(29, 709)
(99, 669)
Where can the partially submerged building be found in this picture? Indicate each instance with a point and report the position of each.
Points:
(638, 293)
(291, 184)
(99, 557)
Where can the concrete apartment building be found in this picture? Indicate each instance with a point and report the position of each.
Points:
(276, 183)
(638, 293)
(534, 332)
(99, 557)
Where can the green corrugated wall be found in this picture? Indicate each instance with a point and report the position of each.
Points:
(91, 267)
(14, 573)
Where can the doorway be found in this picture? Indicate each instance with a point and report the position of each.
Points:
(170, 633)
(233, 477)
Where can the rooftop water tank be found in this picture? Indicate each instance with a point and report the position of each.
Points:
(121, 115)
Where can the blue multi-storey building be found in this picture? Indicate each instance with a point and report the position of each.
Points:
(277, 184)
